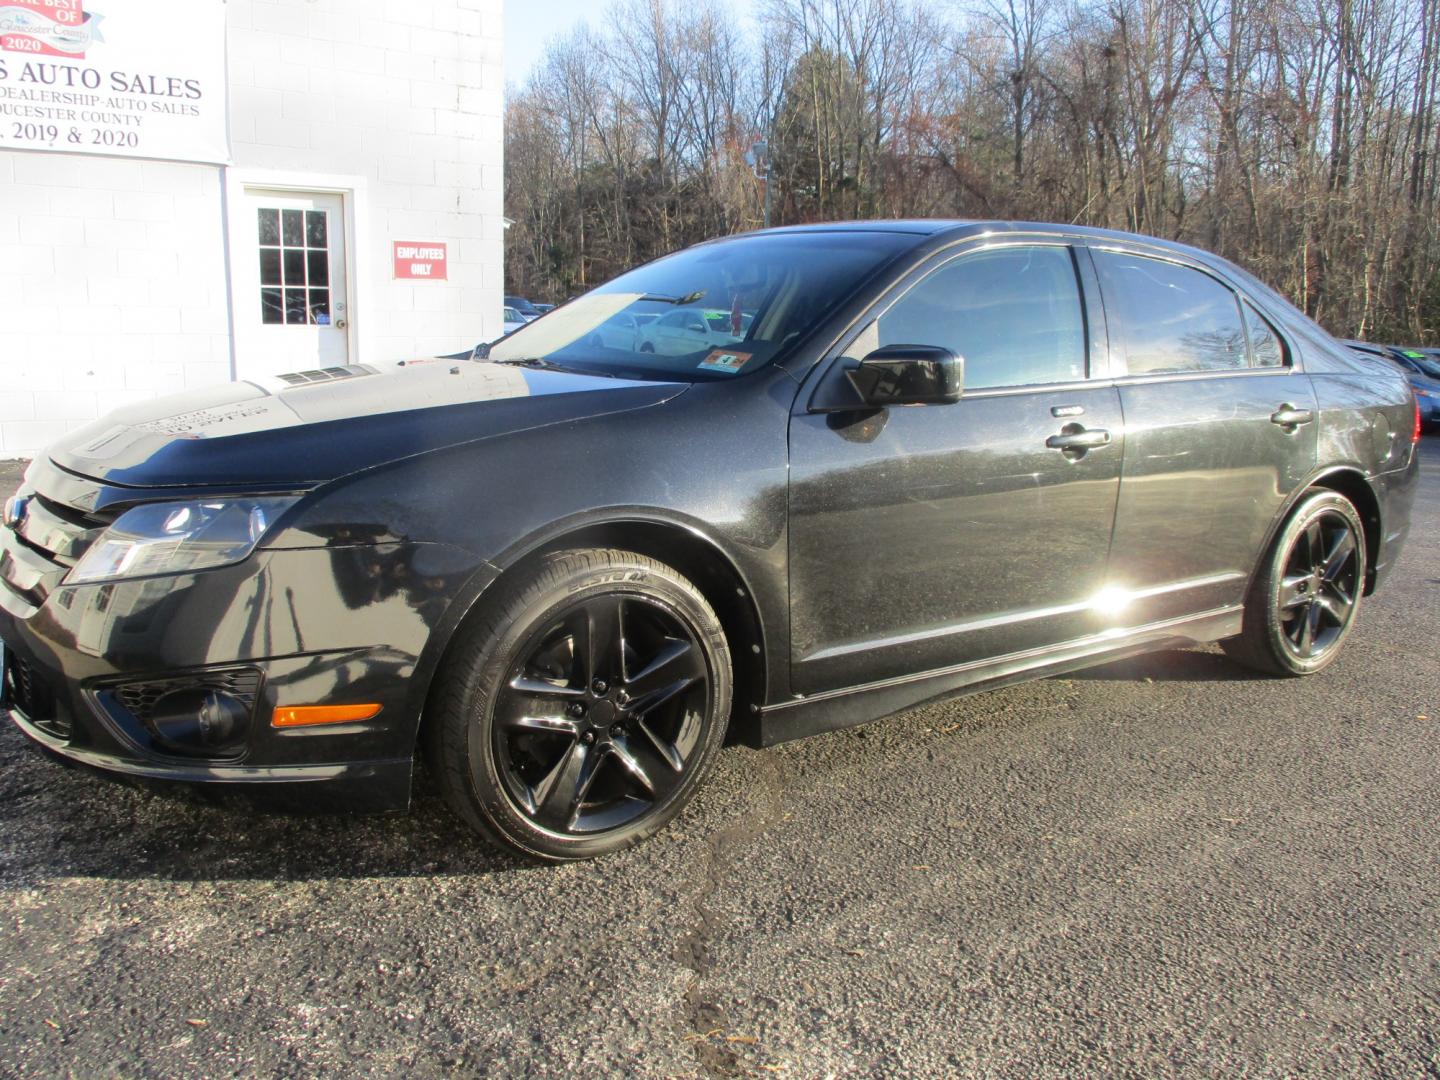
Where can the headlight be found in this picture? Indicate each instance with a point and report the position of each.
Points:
(175, 537)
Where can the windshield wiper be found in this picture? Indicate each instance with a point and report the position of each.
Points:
(678, 301)
(541, 364)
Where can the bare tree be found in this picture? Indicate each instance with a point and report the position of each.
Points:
(1299, 137)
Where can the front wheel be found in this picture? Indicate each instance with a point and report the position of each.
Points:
(1303, 603)
(579, 713)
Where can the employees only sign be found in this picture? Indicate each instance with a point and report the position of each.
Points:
(419, 260)
(138, 78)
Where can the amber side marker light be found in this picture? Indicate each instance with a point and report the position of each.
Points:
(311, 715)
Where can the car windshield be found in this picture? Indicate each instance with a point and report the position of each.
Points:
(709, 312)
(1426, 364)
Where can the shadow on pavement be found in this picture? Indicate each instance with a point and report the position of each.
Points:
(63, 820)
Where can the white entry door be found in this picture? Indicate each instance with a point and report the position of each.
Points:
(294, 314)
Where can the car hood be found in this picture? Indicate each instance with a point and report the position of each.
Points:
(288, 433)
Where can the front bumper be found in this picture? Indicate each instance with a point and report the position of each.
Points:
(331, 625)
(376, 785)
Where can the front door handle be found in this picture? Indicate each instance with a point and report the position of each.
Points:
(1291, 417)
(1076, 438)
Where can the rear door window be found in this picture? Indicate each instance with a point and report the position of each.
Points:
(1165, 317)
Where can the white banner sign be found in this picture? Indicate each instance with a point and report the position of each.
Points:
(141, 78)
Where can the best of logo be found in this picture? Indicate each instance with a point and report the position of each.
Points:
(48, 28)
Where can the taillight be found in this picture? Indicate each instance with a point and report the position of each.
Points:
(1415, 434)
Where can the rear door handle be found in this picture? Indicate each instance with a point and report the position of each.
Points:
(1289, 416)
(1079, 440)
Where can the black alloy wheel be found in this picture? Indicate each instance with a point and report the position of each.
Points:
(602, 714)
(1305, 599)
(1315, 603)
(579, 712)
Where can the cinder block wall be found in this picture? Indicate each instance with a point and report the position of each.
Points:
(114, 281)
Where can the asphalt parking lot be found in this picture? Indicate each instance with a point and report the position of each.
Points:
(1167, 866)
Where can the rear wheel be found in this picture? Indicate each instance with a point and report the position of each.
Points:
(1303, 604)
(578, 715)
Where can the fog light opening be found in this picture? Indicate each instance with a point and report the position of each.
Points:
(201, 721)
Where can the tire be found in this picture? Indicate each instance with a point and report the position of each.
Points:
(558, 750)
(645, 346)
(1306, 596)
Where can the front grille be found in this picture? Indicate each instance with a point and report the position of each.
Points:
(48, 537)
(139, 698)
(61, 533)
(28, 692)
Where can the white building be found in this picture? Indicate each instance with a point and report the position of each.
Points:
(193, 191)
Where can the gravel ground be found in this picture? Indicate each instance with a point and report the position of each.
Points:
(1166, 866)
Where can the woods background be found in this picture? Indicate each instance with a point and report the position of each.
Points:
(1297, 137)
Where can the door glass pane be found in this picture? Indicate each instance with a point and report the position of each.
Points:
(295, 307)
(271, 308)
(1166, 317)
(294, 267)
(1013, 314)
(1266, 348)
(270, 266)
(269, 226)
(315, 229)
(293, 227)
(319, 267)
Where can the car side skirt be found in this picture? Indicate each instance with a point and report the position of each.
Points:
(836, 709)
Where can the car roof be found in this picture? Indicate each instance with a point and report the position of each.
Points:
(939, 231)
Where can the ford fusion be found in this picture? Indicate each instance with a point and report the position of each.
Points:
(764, 487)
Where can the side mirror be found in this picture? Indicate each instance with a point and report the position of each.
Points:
(908, 375)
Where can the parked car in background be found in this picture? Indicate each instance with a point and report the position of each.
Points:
(1424, 371)
(526, 309)
(513, 319)
(619, 331)
(1420, 369)
(692, 330)
(1420, 361)
(882, 463)
(543, 308)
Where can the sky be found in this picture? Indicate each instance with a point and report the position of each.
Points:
(531, 24)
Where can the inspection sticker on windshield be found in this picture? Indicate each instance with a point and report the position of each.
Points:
(728, 362)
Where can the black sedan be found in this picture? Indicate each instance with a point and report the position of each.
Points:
(912, 459)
